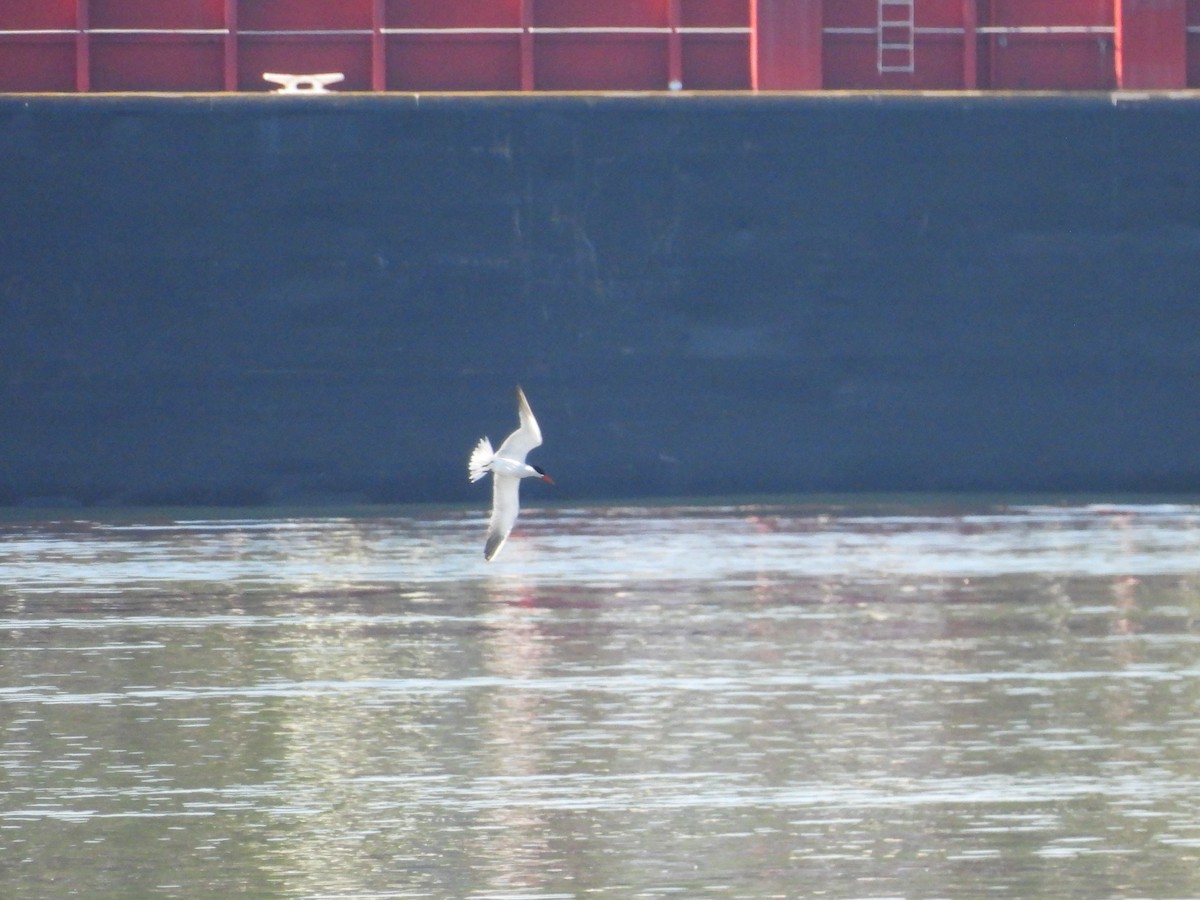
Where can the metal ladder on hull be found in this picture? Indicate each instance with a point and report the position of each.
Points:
(897, 24)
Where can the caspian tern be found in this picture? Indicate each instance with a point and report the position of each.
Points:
(508, 467)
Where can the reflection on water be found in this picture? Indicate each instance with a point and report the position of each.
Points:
(737, 701)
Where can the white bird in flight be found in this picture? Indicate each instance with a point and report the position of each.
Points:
(508, 467)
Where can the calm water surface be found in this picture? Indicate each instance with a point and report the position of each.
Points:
(771, 700)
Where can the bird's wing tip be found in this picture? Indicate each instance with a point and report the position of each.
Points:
(492, 549)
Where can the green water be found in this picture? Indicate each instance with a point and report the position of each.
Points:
(735, 701)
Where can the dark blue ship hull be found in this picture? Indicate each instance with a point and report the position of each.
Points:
(264, 300)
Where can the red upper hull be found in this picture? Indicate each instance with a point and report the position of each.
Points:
(506, 45)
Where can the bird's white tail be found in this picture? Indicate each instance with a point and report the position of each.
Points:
(481, 459)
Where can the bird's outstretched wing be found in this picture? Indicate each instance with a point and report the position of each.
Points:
(525, 438)
(506, 502)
